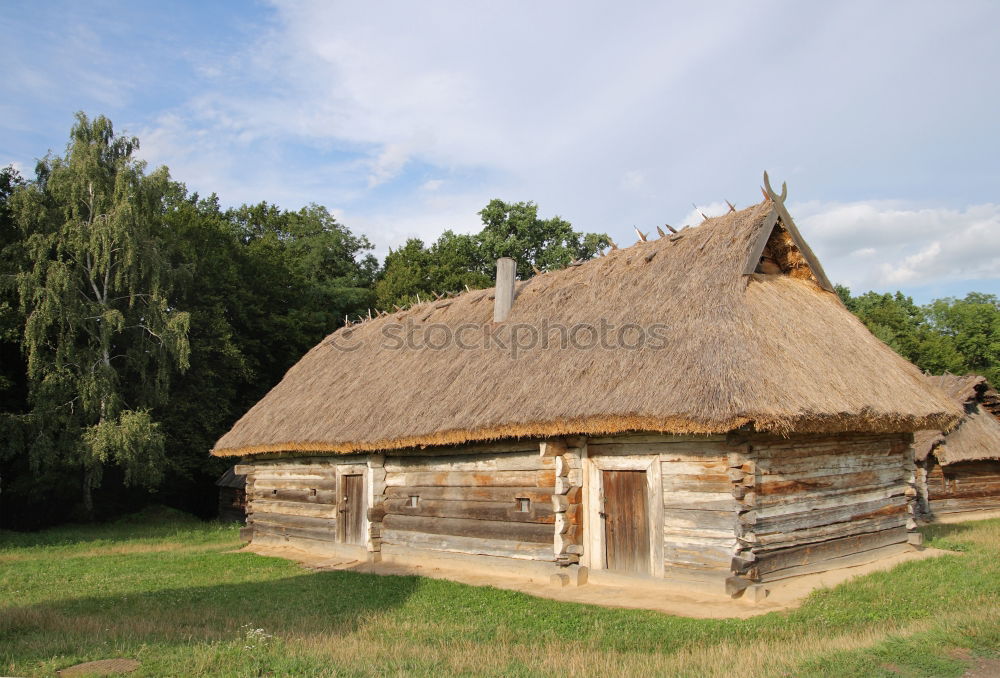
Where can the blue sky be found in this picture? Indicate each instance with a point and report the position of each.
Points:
(407, 118)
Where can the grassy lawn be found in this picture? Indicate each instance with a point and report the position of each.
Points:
(169, 591)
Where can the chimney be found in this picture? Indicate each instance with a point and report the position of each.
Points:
(504, 293)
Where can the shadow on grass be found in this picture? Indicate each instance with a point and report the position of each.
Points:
(318, 603)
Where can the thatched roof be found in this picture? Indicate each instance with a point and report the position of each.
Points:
(230, 478)
(770, 352)
(975, 436)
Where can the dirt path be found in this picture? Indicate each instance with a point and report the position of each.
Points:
(661, 596)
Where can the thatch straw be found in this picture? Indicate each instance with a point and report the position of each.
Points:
(976, 436)
(771, 352)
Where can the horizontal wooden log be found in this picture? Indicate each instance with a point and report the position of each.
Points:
(891, 506)
(263, 517)
(471, 545)
(297, 532)
(540, 512)
(849, 560)
(965, 504)
(515, 461)
(690, 518)
(826, 466)
(791, 448)
(834, 548)
(715, 483)
(291, 508)
(811, 482)
(685, 533)
(716, 556)
(824, 502)
(482, 529)
(301, 496)
(262, 484)
(485, 494)
(965, 493)
(714, 465)
(472, 479)
(775, 540)
(703, 501)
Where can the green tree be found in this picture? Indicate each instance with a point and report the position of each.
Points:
(101, 334)
(456, 261)
(970, 328)
(515, 230)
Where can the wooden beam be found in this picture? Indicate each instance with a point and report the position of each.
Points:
(814, 265)
(758, 246)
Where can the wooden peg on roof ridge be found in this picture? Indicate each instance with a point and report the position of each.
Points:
(732, 207)
(537, 270)
(661, 232)
(642, 236)
(614, 246)
(670, 228)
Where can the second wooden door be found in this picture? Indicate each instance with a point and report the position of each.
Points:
(626, 521)
(351, 527)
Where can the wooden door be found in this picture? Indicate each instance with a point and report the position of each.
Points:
(351, 527)
(626, 521)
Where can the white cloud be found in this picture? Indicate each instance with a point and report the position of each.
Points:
(911, 245)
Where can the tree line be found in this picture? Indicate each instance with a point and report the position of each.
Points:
(138, 320)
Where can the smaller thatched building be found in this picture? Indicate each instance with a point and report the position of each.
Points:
(232, 496)
(958, 469)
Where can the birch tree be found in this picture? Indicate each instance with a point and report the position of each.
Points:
(101, 336)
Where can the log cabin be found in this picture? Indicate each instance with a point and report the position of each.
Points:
(734, 425)
(958, 469)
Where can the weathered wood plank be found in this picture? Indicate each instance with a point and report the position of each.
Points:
(291, 508)
(707, 501)
(472, 479)
(849, 560)
(484, 494)
(471, 545)
(298, 532)
(515, 461)
(301, 496)
(716, 466)
(262, 484)
(266, 517)
(541, 512)
(482, 529)
(776, 540)
(697, 519)
(817, 481)
(834, 548)
(829, 502)
(714, 483)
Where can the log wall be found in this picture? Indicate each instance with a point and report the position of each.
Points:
(696, 527)
(297, 497)
(476, 500)
(810, 504)
(963, 486)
